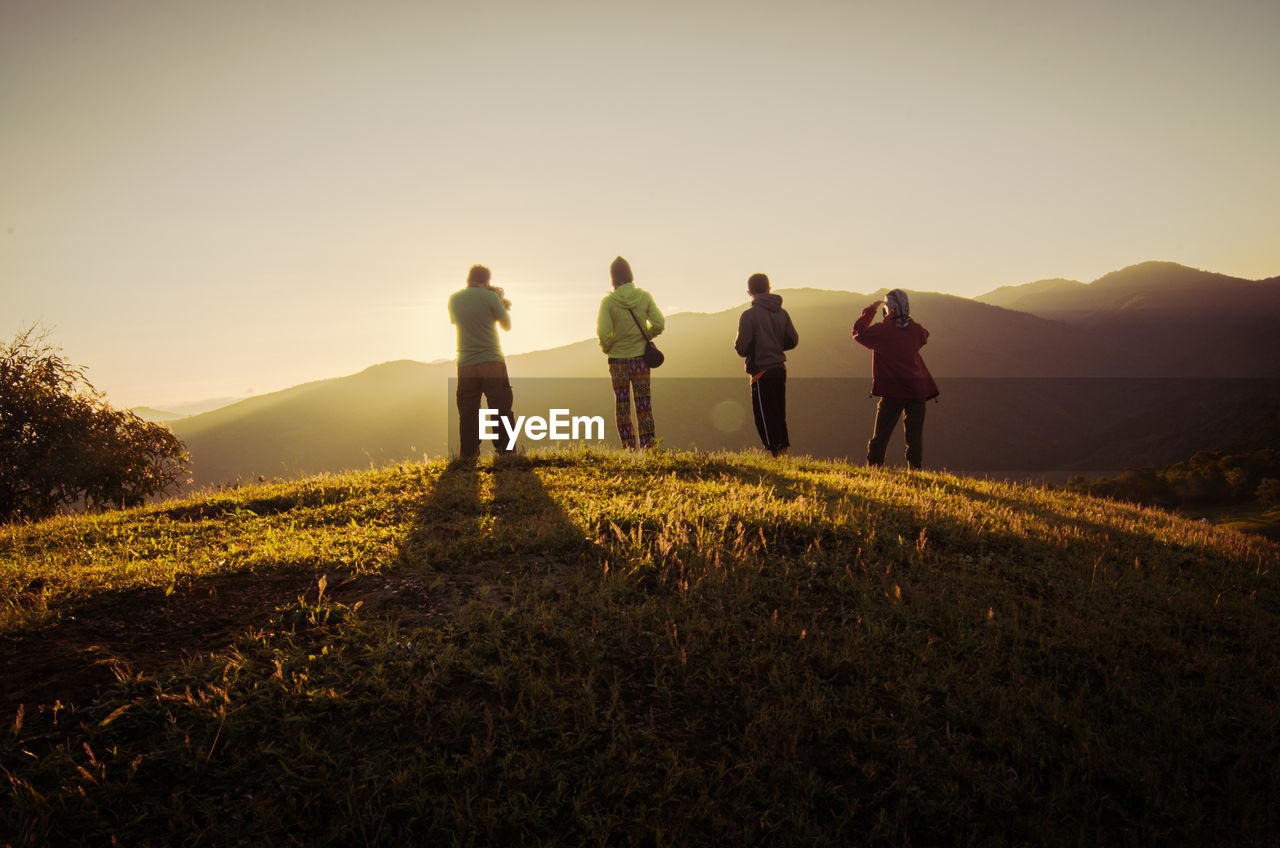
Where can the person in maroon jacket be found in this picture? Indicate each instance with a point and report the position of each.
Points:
(898, 375)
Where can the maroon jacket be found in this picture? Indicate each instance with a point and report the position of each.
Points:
(897, 371)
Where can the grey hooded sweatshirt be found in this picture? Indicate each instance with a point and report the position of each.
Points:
(764, 332)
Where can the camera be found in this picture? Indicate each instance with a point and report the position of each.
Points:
(501, 295)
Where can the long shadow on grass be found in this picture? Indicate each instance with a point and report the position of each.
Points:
(448, 523)
(1109, 540)
(134, 630)
(477, 542)
(1078, 678)
(483, 525)
(148, 629)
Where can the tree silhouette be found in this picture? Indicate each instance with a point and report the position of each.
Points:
(61, 445)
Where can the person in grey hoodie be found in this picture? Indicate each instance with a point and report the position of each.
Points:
(764, 332)
(628, 317)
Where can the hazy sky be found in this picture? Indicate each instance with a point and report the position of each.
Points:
(207, 199)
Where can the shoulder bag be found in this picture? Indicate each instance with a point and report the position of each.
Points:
(652, 356)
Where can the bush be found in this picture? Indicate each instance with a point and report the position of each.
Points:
(1209, 477)
(61, 445)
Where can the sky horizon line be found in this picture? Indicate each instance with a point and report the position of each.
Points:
(218, 199)
(171, 406)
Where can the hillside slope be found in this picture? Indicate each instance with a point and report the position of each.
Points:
(1021, 393)
(1143, 291)
(401, 410)
(384, 414)
(592, 648)
(1165, 320)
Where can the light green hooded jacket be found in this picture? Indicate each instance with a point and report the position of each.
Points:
(619, 336)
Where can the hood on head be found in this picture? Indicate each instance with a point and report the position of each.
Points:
(769, 300)
(898, 304)
(627, 296)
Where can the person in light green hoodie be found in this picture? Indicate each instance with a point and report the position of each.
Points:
(628, 318)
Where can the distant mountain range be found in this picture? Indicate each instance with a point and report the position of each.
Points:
(1144, 365)
(182, 410)
(162, 416)
(1149, 289)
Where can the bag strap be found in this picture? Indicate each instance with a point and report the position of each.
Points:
(639, 326)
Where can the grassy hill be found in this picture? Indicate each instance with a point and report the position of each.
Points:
(604, 648)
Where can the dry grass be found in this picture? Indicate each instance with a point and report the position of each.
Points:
(662, 649)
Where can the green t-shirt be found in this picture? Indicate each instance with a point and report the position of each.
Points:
(474, 311)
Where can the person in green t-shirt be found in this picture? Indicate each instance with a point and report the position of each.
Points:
(481, 368)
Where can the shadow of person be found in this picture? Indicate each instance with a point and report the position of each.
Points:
(485, 524)
(448, 522)
(528, 521)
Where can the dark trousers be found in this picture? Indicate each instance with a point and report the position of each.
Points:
(887, 413)
(490, 380)
(769, 404)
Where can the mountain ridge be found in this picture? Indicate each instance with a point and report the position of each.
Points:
(995, 365)
(1148, 286)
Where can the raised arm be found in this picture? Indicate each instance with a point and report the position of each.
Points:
(863, 324)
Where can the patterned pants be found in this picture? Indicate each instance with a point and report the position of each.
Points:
(630, 375)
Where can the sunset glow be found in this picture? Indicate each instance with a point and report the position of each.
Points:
(211, 200)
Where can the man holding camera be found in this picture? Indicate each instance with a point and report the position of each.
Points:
(481, 368)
